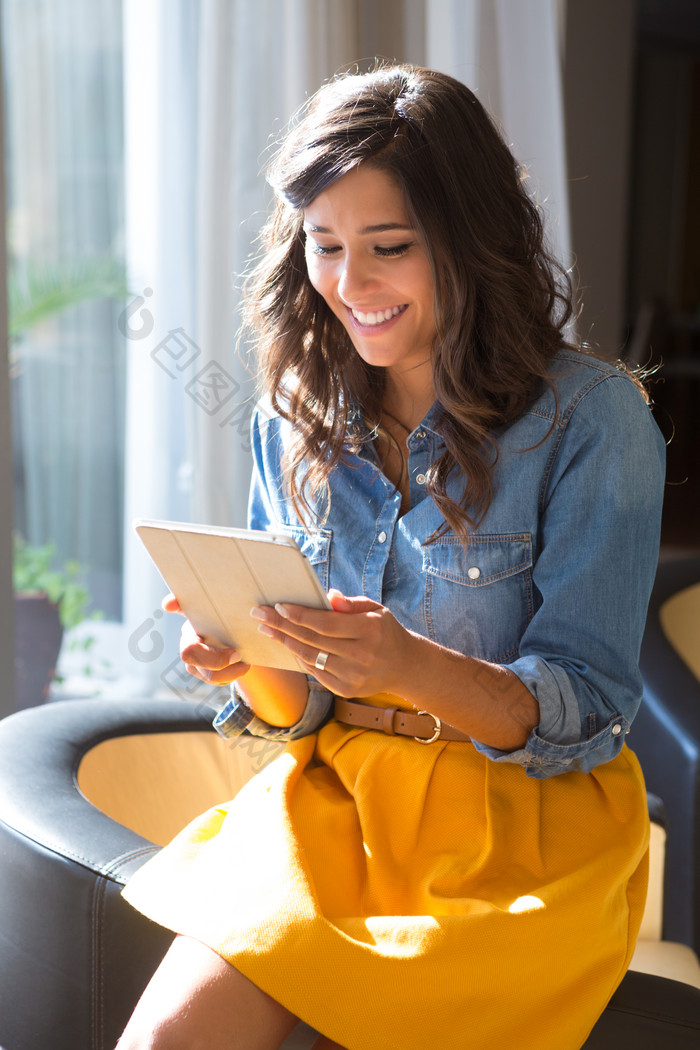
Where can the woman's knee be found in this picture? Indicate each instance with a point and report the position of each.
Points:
(159, 1034)
(197, 1000)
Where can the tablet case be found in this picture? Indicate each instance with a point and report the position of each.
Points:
(218, 575)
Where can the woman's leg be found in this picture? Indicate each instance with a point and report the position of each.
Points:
(197, 1001)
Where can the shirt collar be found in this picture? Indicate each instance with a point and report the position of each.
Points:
(431, 419)
(428, 423)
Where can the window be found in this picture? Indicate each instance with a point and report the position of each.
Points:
(65, 223)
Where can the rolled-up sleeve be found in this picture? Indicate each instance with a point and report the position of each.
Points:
(236, 717)
(600, 519)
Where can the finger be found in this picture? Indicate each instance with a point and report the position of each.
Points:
(294, 637)
(299, 640)
(273, 625)
(218, 677)
(194, 651)
(293, 619)
(336, 674)
(197, 672)
(211, 659)
(171, 604)
(343, 604)
(336, 665)
(326, 667)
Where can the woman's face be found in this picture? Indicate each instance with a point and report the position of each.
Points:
(366, 260)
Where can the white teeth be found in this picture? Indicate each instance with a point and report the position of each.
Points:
(373, 317)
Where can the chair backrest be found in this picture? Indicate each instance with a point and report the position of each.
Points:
(680, 621)
(666, 735)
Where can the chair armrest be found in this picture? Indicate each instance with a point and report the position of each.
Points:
(40, 751)
(647, 1013)
(657, 810)
(74, 956)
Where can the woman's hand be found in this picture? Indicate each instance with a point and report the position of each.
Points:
(216, 666)
(278, 697)
(368, 651)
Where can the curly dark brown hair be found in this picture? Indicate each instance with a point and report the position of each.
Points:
(501, 301)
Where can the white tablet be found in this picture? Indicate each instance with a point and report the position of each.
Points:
(219, 574)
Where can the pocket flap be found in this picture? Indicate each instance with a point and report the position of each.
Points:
(488, 558)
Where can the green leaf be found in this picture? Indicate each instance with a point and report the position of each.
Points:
(33, 570)
(37, 291)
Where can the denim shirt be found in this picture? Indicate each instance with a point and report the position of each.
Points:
(556, 579)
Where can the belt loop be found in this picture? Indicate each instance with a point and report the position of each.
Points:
(388, 721)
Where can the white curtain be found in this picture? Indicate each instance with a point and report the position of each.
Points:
(207, 84)
(508, 53)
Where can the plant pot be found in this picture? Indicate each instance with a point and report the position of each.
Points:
(38, 636)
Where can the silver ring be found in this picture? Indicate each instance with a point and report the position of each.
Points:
(321, 661)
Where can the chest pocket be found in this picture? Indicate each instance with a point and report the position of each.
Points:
(479, 601)
(316, 547)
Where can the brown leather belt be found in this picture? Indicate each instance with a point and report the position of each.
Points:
(422, 726)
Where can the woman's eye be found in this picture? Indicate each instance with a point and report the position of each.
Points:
(322, 249)
(395, 249)
(381, 250)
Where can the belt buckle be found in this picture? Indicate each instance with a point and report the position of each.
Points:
(436, 731)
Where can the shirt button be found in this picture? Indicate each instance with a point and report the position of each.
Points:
(474, 573)
(616, 730)
(382, 537)
(420, 434)
(420, 479)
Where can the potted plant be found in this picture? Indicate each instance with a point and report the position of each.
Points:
(48, 600)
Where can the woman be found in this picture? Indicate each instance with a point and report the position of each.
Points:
(483, 501)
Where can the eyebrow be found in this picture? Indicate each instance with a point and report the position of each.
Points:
(381, 227)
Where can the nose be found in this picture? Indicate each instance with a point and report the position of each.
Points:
(356, 278)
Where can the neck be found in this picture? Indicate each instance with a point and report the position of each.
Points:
(407, 402)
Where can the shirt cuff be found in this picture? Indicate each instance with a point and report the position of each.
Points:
(558, 743)
(236, 717)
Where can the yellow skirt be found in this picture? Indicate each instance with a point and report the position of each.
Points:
(398, 896)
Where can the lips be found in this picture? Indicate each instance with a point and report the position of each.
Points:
(374, 318)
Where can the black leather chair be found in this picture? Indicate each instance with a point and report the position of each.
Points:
(74, 957)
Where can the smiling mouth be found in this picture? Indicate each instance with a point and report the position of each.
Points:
(376, 317)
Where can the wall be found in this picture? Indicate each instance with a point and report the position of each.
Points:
(598, 98)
